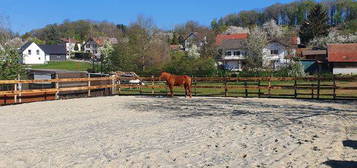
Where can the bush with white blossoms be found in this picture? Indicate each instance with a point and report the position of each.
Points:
(333, 37)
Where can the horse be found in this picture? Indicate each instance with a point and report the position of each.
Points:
(174, 80)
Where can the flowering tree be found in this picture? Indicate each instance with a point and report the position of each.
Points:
(333, 37)
(10, 66)
(273, 30)
(256, 42)
(106, 52)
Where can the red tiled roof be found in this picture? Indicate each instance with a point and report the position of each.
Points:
(342, 52)
(222, 37)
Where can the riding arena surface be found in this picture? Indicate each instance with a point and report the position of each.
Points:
(134, 131)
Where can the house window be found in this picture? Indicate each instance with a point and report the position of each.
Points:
(88, 45)
(274, 52)
(38, 52)
(228, 53)
(95, 52)
(236, 53)
(29, 52)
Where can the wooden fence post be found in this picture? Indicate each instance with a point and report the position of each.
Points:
(113, 85)
(225, 87)
(334, 87)
(245, 88)
(259, 89)
(20, 89)
(15, 90)
(195, 85)
(295, 85)
(57, 88)
(312, 90)
(119, 84)
(89, 84)
(152, 83)
(269, 87)
(318, 86)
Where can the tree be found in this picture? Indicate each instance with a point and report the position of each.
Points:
(10, 66)
(257, 40)
(315, 25)
(333, 37)
(273, 30)
(106, 53)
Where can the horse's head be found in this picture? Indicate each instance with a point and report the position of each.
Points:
(163, 75)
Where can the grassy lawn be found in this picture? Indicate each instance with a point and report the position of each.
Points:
(65, 65)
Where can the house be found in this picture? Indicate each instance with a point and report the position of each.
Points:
(55, 52)
(343, 58)
(72, 46)
(193, 43)
(275, 54)
(31, 53)
(94, 45)
(232, 49)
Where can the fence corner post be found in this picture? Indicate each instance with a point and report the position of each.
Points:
(57, 88)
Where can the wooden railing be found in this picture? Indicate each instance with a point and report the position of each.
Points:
(233, 87)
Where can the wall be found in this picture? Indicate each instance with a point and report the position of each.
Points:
(345, 70)
(33, 58)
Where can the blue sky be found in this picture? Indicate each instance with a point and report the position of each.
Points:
(25, 15)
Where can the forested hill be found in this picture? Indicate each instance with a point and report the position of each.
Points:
(341, 13)
(80, 30)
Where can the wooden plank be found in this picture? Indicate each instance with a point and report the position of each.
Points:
(55, 80)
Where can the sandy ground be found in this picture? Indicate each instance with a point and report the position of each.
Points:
(178, 132)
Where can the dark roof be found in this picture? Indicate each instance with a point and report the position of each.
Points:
(26, 45)
(233, 44)
(54, 49)
(342, 52)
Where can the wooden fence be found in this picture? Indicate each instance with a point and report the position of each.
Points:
(308, 87)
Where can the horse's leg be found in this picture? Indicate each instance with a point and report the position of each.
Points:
(186, 89)
(171, 90)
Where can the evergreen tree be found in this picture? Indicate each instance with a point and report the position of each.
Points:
(315, 25)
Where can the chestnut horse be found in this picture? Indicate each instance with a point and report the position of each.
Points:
(174, 80)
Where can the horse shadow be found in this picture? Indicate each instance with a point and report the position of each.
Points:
(350, 143)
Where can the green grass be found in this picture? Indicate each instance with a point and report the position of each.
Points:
(65, 65)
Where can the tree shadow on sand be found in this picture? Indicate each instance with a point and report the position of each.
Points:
(340, 164)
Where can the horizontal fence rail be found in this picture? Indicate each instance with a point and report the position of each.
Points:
(336, 87)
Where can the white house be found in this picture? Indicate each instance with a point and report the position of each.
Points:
(233, 52)
(275, 54)
(72, 46)
(33, 54)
